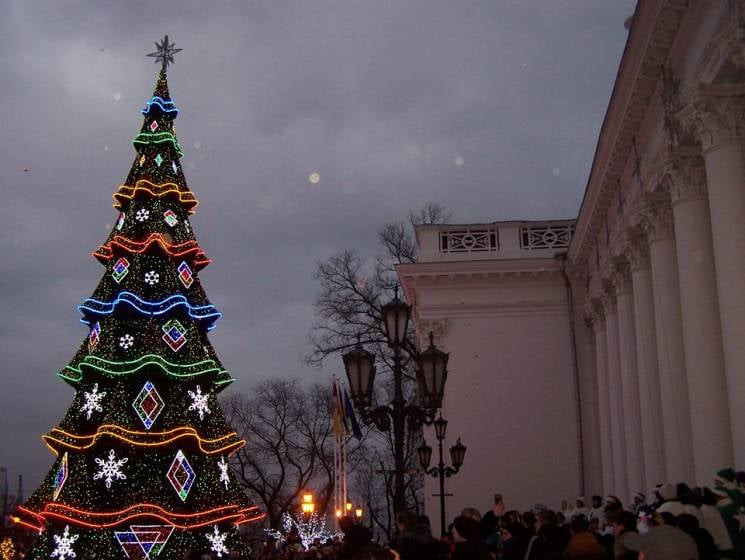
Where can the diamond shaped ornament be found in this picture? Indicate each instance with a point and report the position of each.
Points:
(181, 475)
(120, 270)
(153, 126)
(185, 274)
(148, 404)
(170, 217)
(158, 159)
(174, 334)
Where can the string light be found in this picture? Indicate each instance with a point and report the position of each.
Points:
(165, 105)
(148, 138)
(83, 518)
(207, 313)
(227, 443)
(127, 192)
(114, 369)
(106, 251)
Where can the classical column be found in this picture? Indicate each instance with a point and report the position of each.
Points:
(646, 363)
(615, 396)
(707, 388)
(592, 469)
(629, 380)
(657, 222)
(604, 409)
(719, 118)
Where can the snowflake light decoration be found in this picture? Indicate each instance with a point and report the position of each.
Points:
(217, 542)
(152, 278)
(110, 469)
(199, 402)
(126, 341)
(92, 401)
(308, 531)
(63, 545)
(142, 215)
(223, 466)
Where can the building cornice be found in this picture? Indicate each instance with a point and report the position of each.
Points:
(655, 25)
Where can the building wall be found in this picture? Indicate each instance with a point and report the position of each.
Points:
(510, 393)
(656, 265)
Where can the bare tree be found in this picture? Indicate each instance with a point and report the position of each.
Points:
(348, 306)
(288, 427)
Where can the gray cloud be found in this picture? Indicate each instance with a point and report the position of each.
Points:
(380, 98)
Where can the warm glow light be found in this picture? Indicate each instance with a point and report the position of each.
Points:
(308, 498)
(143, 185)
(308, 508)
(358, 513)
(106, 251)
(349, 506)
(338, 513)
(145, 439)
(190, 521)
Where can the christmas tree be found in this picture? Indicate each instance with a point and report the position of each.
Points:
(142, 453)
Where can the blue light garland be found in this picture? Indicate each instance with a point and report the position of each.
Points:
(165, 105)
(93, 307)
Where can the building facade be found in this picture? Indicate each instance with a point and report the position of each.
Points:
(495, 296)
(655, 315)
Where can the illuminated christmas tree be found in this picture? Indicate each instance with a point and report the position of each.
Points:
(142, 453)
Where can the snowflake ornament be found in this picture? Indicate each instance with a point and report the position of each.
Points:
(110, 469)
(142, 215)
(126, 341)
(217, 540)
(223, 466)
(92, 401)
(63, 545)
(199, 402)
(152, 278)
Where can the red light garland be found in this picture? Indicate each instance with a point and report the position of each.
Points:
(106, 251)
(194, 520)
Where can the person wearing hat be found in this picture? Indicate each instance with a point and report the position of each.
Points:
(731, 505)
(661, 543)
(639, 500)
(668, 493)
(580, 508)
(467, 537)
(713, 521)
(596, 511)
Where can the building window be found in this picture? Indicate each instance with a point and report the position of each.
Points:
(469, 241)
(545, 237)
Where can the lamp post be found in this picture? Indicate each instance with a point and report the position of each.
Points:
(441, 471)
(307, 505)
(431, 375)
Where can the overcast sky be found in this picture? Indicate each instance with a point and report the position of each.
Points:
(491, 108)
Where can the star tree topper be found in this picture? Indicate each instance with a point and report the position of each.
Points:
(164, 52)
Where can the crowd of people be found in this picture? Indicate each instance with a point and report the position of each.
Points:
(677, 523)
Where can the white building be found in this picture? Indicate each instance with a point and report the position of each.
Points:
(635, 374)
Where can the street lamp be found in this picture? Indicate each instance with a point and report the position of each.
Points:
(360, 367)
(307, 506)
(358, 514)
(441, 471)
(431, 374)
